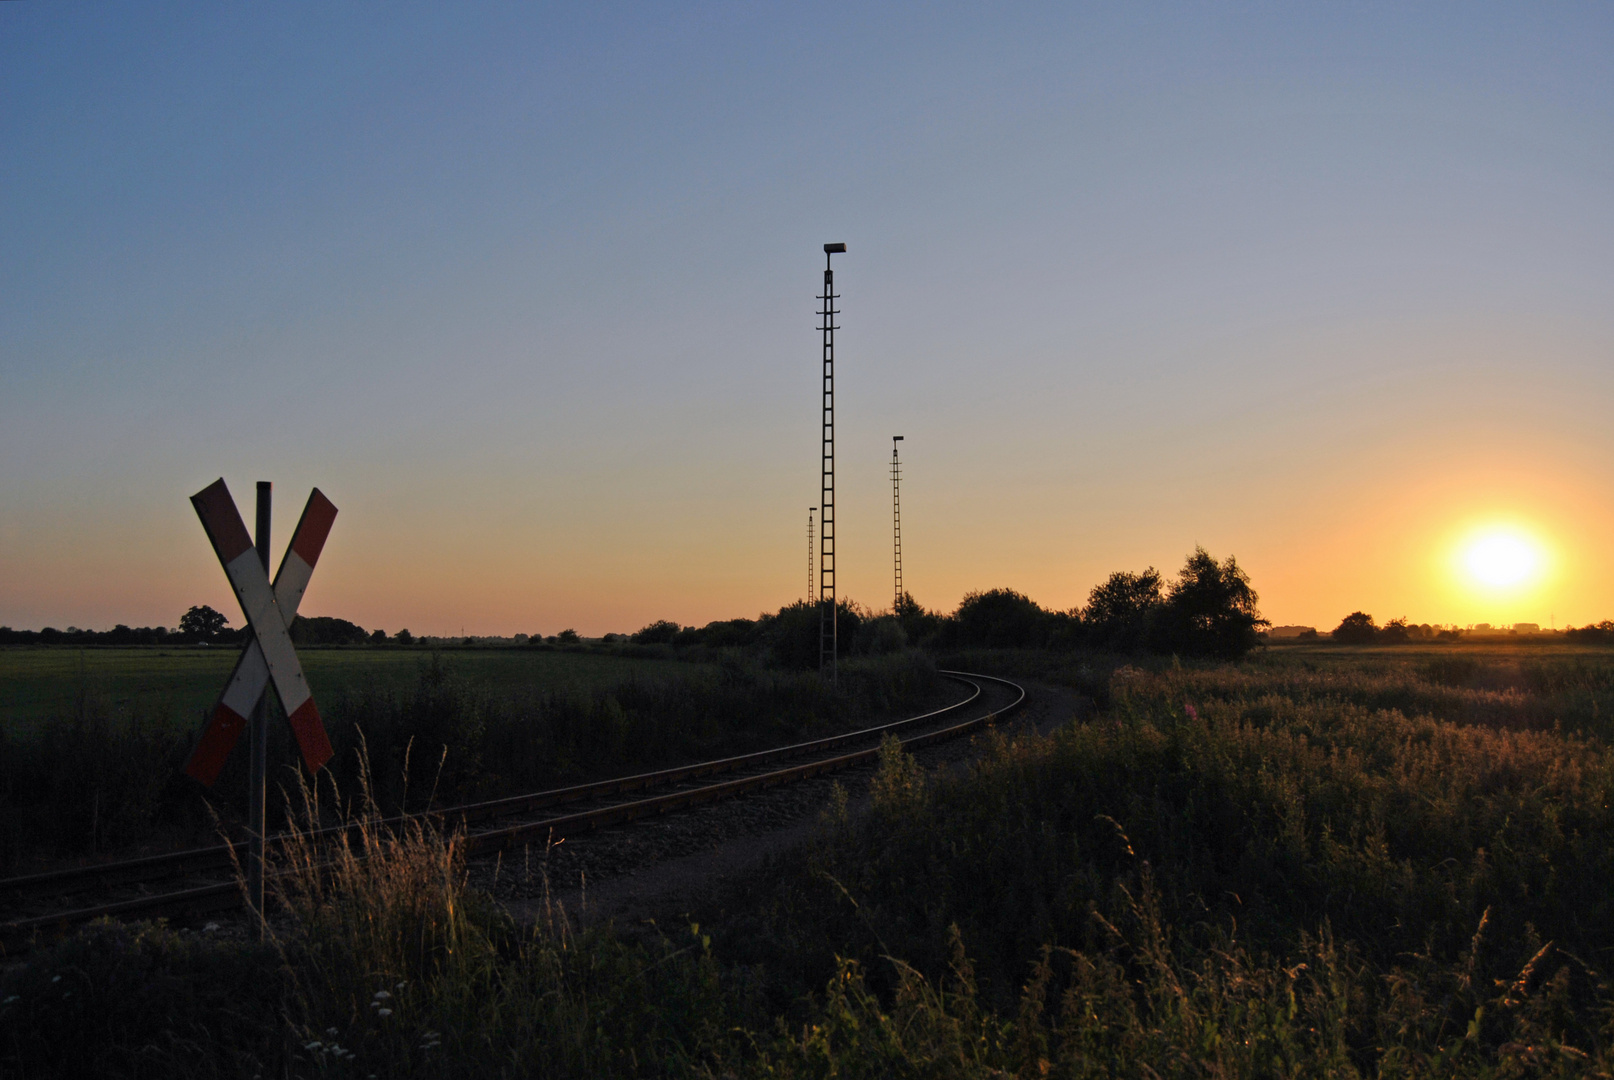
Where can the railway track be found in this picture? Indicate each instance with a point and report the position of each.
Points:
(43, 907)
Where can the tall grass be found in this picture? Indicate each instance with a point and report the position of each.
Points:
(398, 968)
(1200, 862)
(379, 961)
(1235, 872)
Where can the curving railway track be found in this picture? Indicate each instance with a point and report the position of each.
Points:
(42, 907)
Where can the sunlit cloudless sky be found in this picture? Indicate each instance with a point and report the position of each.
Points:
(529, 292)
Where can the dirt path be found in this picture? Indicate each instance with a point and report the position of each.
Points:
(660, 869)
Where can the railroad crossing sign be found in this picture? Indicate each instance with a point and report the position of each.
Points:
(269, 656)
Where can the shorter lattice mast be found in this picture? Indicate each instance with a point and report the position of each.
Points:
(896, 522)
(812, 567)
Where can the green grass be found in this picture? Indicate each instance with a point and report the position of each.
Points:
(179, 682)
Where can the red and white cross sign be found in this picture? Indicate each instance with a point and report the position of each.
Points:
(270, 656)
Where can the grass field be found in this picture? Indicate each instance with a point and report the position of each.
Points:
(92, 751)
(1517, 685)
(175, 683)
(1314, 863)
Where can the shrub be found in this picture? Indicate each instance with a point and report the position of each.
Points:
(660, 632)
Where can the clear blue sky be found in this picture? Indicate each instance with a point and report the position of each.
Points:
(528, 291)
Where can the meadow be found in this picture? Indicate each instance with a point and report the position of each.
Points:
(178, 682)
(99, 771)
(1314, 862)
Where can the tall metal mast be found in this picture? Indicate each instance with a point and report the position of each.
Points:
(896, 522)
(828, 643)
(811, 565)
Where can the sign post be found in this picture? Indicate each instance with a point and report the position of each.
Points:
(269, 658)
(258, 738)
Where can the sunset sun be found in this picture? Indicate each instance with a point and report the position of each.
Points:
(1502, 558)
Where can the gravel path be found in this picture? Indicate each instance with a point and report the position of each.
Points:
(661, 868)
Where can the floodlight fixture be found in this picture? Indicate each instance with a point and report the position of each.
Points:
(834, 249)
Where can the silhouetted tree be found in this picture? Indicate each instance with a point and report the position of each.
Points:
(660, 632)
(202, 623)
(1121, 613)
(1210, 610)
(325, 630)
(1395, 632)
(1357, 628)
(792, 633)
(918, 625)
(730, 633)
(1000, 618)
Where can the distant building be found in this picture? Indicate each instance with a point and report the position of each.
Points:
(1526, 628)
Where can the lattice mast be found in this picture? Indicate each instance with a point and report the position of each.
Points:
(896, 523)
(811, 565)
(827, 639)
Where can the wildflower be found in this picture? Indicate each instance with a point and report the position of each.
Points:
(315, 1045)
(330, 1031)
(210, 928)
(56, 978)
(382, 995)
(400, 987)
(384, 1012)
(10, 999)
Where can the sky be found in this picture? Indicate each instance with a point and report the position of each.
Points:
(529, 291)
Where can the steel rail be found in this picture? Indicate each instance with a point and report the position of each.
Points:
(499, 839)
(16, 935)
(220, 856)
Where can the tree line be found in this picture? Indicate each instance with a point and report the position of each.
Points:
(202, 625)
(1358, 628)
(1208, 610)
